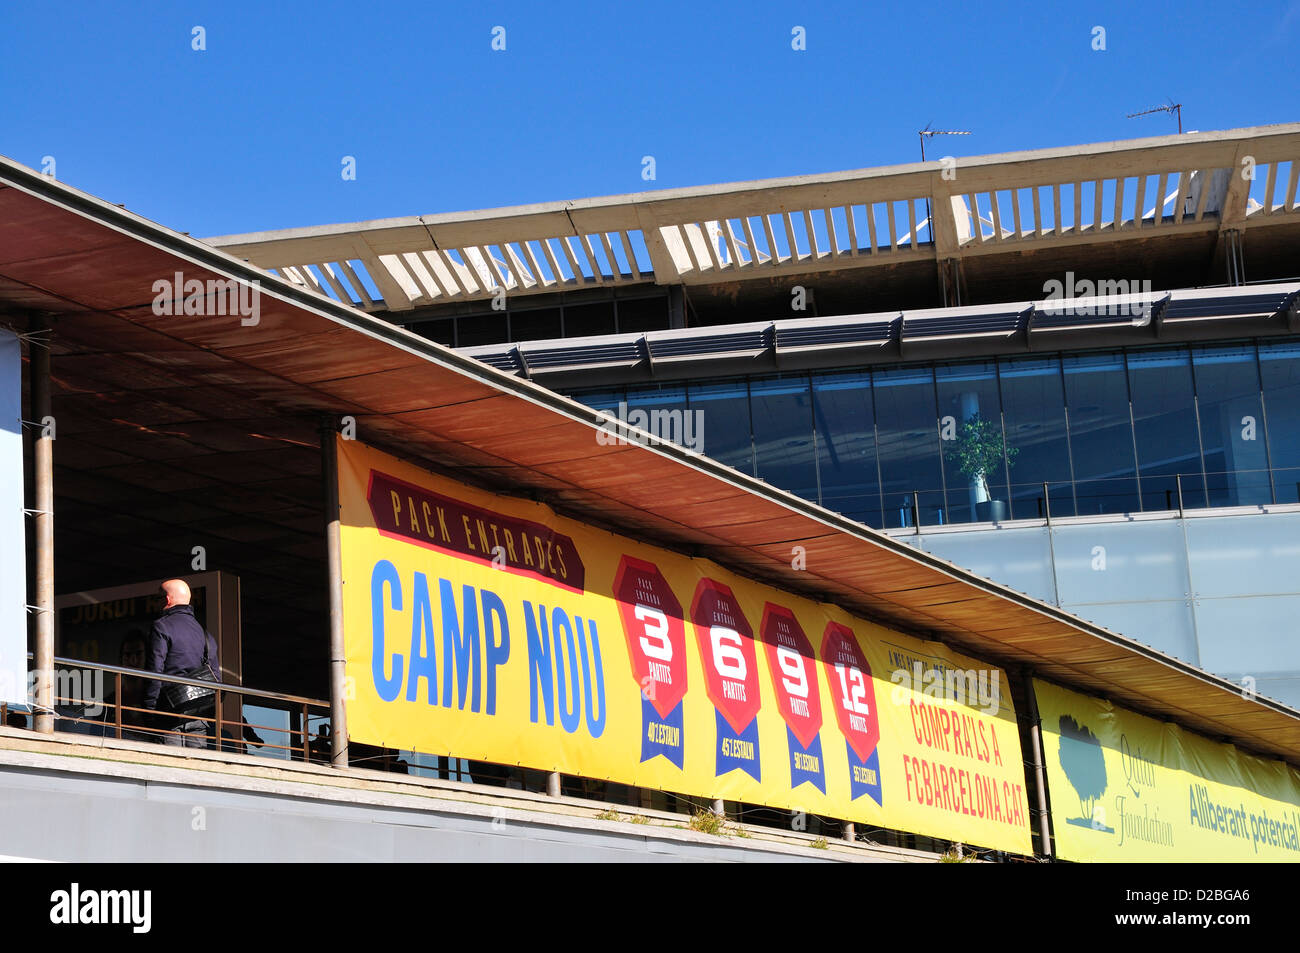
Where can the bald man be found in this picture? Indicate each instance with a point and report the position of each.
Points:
(175, 647)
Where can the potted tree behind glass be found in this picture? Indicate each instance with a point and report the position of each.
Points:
(976, 452)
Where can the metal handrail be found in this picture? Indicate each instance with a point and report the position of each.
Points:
(299, 708)
(181, 680)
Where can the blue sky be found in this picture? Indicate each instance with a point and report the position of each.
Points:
(250, 133)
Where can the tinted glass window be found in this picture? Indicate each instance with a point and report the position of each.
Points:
(783, 437)
(907, 432)
(1033, 411)
(538, 325)
(663, 411)
(724, 419)
(846, 446)
(970, 431)
(475, 329)
(602, 400)
(1279, 369)
(1164, 428)
(1232, 426)
(443, 331)
(642, 314)
(585, 320)
(1101, 433)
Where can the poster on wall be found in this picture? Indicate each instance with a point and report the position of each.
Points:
(1125, 787)
(13, 566)
(487, 627)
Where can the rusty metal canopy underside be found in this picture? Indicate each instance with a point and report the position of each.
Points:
(228, 404)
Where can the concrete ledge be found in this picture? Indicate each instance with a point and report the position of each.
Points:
(458, 821)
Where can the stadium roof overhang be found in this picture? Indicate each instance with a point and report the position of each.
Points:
(203, 388)
(971, 230)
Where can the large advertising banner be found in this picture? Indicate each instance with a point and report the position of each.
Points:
(491, 628)
(13, 572)
(1125, 787)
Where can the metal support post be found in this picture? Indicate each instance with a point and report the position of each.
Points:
(338, 654)
(44, 500)
(1040, 784)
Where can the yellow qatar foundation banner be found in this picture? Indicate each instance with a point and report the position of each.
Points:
(1125, 787)
(490, 628)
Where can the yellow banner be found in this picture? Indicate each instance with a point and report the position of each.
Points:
(490, 628)
(1125, 787)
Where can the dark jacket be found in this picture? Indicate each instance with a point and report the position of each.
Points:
(175, 647)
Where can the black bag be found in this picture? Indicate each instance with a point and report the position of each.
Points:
(193, 699)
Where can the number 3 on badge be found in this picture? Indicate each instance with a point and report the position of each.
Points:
(656, 629)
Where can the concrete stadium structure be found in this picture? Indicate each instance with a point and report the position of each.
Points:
(495, 347)
(930, 282)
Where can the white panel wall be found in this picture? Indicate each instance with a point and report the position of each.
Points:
(13, 572)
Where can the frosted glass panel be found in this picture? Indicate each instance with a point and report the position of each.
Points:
(1014, 557)
(1253, 636)
(1121, 562)
(1251, 555)
(1285, 689)
(1166, 626)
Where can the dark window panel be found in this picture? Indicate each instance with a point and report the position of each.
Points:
(907, 432)
(602, 400)
(539, 325)
(443, 331)
(476, 329)
(661, 409)
(1233, 441)
(846, 446)
(1279, 367)
(967, 392)
(586, 320)
(724, 422)
(1033, 408)
(642, 314)
(781, 409)
(1101, 433)
(1164, 428)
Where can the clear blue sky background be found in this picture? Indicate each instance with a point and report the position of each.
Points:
(250, 133)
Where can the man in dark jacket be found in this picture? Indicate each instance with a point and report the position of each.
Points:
(176, 646)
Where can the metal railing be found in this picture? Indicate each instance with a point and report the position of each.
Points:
(1099, 496)
(95, 714)
(115, 718)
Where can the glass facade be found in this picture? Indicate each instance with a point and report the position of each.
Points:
(1115, 432)
(1218, 591)
(1144, 429)
(844, 432)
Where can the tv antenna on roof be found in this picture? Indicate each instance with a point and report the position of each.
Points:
(1169, 107)
(927, 132)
